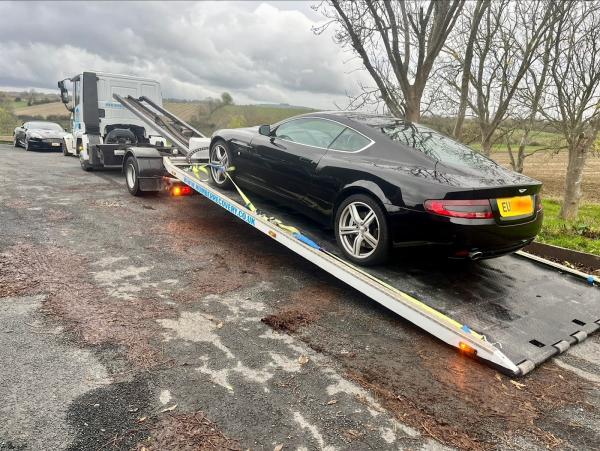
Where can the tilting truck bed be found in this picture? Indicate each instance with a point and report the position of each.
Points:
(513, 312)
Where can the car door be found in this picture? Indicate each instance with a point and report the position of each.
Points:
(288, 159)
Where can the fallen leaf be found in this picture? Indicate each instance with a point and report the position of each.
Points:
(142, 419)
(333, 401)
(498, 377)
(303, 359)
(169, 409)
(518, 384)
(219, 324)
(278, 448)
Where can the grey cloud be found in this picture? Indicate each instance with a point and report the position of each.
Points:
(260, 52)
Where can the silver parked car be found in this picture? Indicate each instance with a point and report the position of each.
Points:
(40, 135)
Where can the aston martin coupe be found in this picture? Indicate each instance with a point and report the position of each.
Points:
(39, 135)
(379, 182)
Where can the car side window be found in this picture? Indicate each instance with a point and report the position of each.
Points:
(350, 141)
(310, 131)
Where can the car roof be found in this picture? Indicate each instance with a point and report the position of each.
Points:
(372, 119)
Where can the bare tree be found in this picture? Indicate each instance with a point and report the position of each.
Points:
(530, 98)
(397, 42)
(505, 46)
(473, 26)
(573, 100)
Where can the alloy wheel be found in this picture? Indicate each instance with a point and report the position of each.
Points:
(359, 230)
(218, 157)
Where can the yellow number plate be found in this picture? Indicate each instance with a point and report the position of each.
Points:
(515, 206)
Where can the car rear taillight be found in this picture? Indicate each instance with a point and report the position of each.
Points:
(466, 209)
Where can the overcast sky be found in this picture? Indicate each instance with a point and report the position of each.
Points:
(260, 52)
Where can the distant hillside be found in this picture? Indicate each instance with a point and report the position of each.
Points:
(45, 110)
(194, 112)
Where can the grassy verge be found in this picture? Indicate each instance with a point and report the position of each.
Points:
(582, 234)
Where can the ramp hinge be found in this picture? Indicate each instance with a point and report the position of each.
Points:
(526, 366)
(562, 346)
(579, 336)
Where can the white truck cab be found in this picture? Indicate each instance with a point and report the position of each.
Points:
(100, 125)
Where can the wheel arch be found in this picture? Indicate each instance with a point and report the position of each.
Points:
(368, 188)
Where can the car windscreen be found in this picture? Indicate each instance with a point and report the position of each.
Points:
(435, 145)
(44, 126)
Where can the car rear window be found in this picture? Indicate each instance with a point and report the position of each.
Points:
(435, 145)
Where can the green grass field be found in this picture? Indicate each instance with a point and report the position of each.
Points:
(582, 234)
(538, 140)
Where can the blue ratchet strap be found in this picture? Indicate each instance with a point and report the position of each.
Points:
(306, 240)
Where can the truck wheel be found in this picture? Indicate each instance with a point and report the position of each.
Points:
(132, 176)
(86, 166)
(361, 230)
(221, 156)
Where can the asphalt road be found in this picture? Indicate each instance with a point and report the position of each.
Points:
(166, 323)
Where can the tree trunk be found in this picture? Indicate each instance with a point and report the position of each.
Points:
(570, 205)
(464, 85)
(486, 140)
(521, 153)
(413, 107)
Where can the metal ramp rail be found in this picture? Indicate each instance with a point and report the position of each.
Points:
(513, 312)
(175, 129)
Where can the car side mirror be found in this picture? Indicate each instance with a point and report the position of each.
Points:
(264, 130)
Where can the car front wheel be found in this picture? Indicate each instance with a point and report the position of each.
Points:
(220, 160)
(361, 230)
(26, 144)
(16, 141)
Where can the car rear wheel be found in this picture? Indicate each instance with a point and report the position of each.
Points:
(361, 230)
(220, 160)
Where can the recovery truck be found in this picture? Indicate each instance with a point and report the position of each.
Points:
(100, 125)
(512, 312)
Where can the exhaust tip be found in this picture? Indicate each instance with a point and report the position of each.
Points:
(475, 255)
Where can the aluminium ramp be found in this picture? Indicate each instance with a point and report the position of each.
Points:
(515, 312)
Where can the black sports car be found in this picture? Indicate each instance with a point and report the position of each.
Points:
(380, 181)
(39, 135)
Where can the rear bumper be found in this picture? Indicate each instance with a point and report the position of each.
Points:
(462, 236)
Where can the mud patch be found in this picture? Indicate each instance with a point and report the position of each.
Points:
(92, 315)
(471, 406)
(304, 307)
(187, 432)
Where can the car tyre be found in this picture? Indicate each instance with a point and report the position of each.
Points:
(64, 149)
(361, 230)
(220, 155)
(27, 145)
(132, 179)
(16, 142)
(86, 166)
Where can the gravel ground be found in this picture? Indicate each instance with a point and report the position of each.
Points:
(165, 323)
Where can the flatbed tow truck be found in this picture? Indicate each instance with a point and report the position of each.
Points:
(512, 312)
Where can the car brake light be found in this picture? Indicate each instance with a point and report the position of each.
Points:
(466, 209)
